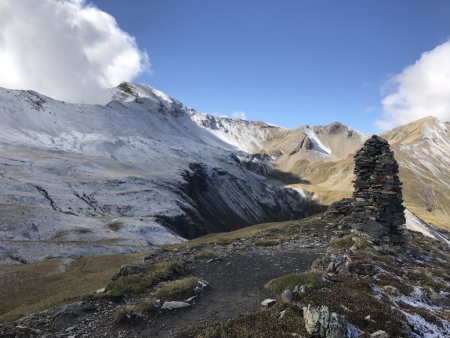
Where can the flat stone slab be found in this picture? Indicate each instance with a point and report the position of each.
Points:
(173, 305)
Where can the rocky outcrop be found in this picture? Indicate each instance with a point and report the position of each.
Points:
(319, 322)
(378, 212)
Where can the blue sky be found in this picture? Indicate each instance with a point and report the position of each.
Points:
(285, 62)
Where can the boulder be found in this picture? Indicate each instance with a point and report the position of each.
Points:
(173, 305)
(287, 296)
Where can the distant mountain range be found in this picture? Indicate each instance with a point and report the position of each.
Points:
(145, 169)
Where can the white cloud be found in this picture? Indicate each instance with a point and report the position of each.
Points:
(420, 90)
(66, 49)
(239, 115)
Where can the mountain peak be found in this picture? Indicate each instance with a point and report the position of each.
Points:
(415, 130)
(128, 91)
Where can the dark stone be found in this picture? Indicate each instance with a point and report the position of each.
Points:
(374, 228)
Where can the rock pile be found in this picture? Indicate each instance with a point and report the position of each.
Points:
(340, 212)
(378, 212)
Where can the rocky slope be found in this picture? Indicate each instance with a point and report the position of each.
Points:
(217, 286)
(84, 179)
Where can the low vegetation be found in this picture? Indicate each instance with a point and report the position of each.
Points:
(134, 284)
(124, 314)
(180, 289)
(30, 288)
(310, 278)
(266, 323)
(344, 242)
(267, 242)
(146, 307)
(276, 231)
(205, 254)
(115, 226)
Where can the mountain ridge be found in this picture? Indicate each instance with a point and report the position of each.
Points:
(157, 171)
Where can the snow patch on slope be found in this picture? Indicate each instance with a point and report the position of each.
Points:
(317, 145)
(416, 224)
(248, 136)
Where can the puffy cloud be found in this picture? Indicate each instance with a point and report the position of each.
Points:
(66, 49)
(239, 115)
(420, 90)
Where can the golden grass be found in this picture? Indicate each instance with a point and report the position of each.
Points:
(267, 242)
(248, 232)
(205, 254)
(344, 242)
(34, 287)
(179, 289)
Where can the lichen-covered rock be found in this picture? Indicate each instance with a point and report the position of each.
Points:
(322, 323)
(337, 327)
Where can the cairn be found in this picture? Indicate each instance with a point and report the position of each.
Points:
(378, 213)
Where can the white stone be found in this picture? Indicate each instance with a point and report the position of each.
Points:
(268, 302)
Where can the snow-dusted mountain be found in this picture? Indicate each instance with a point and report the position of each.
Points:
(81, 179)
(145, 169)
(319, 159)
(423, 151)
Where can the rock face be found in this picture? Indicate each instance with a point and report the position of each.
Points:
(378, 211)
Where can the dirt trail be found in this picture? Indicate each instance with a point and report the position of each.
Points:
(237, 282)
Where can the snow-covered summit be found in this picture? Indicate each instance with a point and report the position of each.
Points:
(127, 92)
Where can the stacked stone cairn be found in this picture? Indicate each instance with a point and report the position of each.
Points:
(378, 213)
